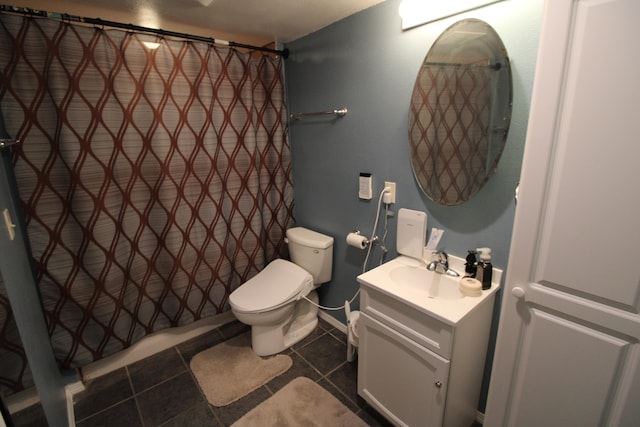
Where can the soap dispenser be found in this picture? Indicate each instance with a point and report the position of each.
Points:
(484, 272)
(471, 264)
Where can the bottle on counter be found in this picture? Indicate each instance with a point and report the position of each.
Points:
(484, 272)
(471, 264)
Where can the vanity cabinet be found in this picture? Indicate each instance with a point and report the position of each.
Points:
(416, 367)
(402, 379)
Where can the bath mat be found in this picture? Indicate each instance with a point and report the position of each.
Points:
(302, 402)
(231, 370)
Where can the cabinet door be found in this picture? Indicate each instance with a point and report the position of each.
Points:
(404, 381)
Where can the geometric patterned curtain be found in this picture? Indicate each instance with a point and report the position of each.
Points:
(15, 375)
(153, 181)
(449, 125)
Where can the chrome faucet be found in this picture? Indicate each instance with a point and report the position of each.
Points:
(441, 265)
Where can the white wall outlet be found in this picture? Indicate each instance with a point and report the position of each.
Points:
(392, 195)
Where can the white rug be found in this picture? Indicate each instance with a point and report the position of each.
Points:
(302, 402)
(231, 370)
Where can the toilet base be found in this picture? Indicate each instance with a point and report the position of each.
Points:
(271, 339)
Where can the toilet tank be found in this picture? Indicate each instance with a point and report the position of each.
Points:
(312, 251)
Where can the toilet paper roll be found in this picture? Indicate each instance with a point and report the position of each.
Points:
(356, 240)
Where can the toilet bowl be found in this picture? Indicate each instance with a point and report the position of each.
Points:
(273, 302)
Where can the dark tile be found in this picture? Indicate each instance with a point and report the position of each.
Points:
(168, 399)
(373, 418)
(190, 348)
(314, 335)
(101, 393)
(339, 335)
(234, 411)
(199, 415)
(325, 354)
(338, 395)
(233, 329)
(33, 416)
(299, 368)
(155, 369)
(123, 414)
(346, 379)
(326, 326)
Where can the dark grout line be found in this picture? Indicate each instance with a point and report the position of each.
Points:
(320, 374)
(135, 398)
(103, 410)
(327, 379)
(193, 378)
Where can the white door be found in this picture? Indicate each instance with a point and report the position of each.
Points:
(567, 352)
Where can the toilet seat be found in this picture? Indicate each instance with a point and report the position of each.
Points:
(276, 285)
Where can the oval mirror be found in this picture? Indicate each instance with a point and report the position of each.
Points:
(460, 112)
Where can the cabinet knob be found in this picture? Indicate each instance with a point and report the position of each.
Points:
(518, 292)
(438, 384)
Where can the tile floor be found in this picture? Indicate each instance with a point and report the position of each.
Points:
(161, 391)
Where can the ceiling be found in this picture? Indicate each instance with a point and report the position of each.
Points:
(273, 20)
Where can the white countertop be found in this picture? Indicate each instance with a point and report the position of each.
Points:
(450, 311)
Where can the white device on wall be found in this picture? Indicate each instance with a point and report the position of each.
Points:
(412, 231)
(365, 187)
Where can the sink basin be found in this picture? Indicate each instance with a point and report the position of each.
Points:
(435, 285)
(408, 281)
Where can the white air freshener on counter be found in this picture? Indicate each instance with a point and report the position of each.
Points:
(412, 231)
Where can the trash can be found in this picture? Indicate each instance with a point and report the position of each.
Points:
(352, 335)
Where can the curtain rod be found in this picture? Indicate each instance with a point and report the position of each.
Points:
(132, 27)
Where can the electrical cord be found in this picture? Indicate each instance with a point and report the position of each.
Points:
(383, 247)
(366, 259)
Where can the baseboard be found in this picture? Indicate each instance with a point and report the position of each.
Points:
(26, 398)
(21, 400)
(29, 397)
(168, 338)
(153, 344)
(332, 321)
(148, 346)
(70, 390)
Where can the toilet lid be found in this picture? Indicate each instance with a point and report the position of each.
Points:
(279, 282)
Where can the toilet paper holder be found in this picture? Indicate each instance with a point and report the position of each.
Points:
(367, 241)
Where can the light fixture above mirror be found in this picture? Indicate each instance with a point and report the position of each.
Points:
(419, 12)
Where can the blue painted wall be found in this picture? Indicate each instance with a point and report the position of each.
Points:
(368, 64)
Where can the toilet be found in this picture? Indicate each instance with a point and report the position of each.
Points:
(272, 302)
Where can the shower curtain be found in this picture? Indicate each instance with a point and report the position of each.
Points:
(154, 181)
